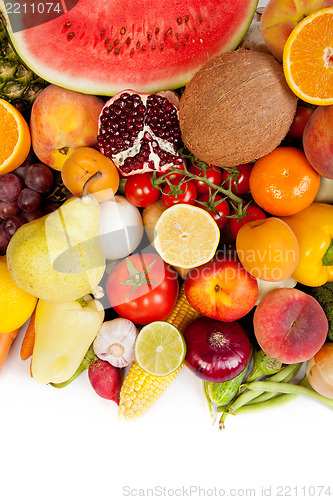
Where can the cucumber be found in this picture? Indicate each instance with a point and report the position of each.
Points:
(221, 393)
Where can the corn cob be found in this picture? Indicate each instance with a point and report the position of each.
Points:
(140, 390)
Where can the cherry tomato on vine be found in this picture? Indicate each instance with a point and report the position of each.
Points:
(172, 176)
(213, 174)
(301, 117)
(242, 185)
(254, 213)
(221, 206)
(142, 288)
(139, 190)
(188, 194)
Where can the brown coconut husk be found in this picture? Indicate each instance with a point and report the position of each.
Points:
(237, 108)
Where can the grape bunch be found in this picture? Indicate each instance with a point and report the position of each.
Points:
(23, 198)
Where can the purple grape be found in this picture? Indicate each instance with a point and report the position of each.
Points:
(10, 187)
(51, 207)
(39, 177)
(20, 171)
(11, 225)
(29, 200)
(4, 240)
(29, 216)
(8, 208)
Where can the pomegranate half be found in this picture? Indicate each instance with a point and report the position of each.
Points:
(140, 132)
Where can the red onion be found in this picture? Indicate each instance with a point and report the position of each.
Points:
(216, 351)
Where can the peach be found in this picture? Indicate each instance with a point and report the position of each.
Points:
(290, 325)
(281, 16)
(318, 140)
(62, 121)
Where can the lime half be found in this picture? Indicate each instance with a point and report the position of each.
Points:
(159, 348)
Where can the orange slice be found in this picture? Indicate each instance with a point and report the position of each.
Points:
(15, 138)
(186, 236)
(308, 58)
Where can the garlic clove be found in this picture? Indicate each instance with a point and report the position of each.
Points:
(115, 342)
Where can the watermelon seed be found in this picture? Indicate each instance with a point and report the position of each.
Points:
(71, 35)
(116, 42)
(102, 32)
(107, 41)
(179, 20)
(200, 19)
(169, 32)
(149, 37)
(176, 46)
(128, 40)
(186, 19)
(123, 31)
(109, 48)
(67, 25)
(117, 51)
(157, 31)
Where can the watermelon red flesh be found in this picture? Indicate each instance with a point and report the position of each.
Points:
(102, 47)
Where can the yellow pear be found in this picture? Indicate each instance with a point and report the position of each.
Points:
(59, 257)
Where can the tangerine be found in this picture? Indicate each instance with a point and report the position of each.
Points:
(283, 182)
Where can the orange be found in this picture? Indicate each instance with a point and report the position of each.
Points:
(308, 58)
(186, 236)
(283, 182)
(15, 138)
(81, 165)
(268, 249)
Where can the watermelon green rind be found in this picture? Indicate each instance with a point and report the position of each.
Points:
(139, 44)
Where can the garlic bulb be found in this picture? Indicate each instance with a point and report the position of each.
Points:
(115, 342)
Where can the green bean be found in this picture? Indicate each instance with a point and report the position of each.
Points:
(270, 395)
(274, 402)
(248, 396)
(288, 389)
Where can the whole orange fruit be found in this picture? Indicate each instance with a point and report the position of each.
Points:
(283, 182)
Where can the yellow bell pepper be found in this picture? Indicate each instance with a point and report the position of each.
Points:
(64, 332)
(313, 228)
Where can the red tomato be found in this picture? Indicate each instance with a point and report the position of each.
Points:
(142, 288)
(301, 117)
(139, 190)
(221, 206)
(213, 174)
(254, 212)
(173, 176)
(242, 185)
(185, 192)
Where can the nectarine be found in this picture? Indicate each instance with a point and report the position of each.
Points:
(61, 121)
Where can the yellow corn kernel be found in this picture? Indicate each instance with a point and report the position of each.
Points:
(141, 390)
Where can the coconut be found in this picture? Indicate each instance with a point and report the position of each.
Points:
(237, 108)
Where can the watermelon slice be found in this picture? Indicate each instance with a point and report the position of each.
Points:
(103, 46)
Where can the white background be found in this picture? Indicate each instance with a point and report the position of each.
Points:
(69, 444)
